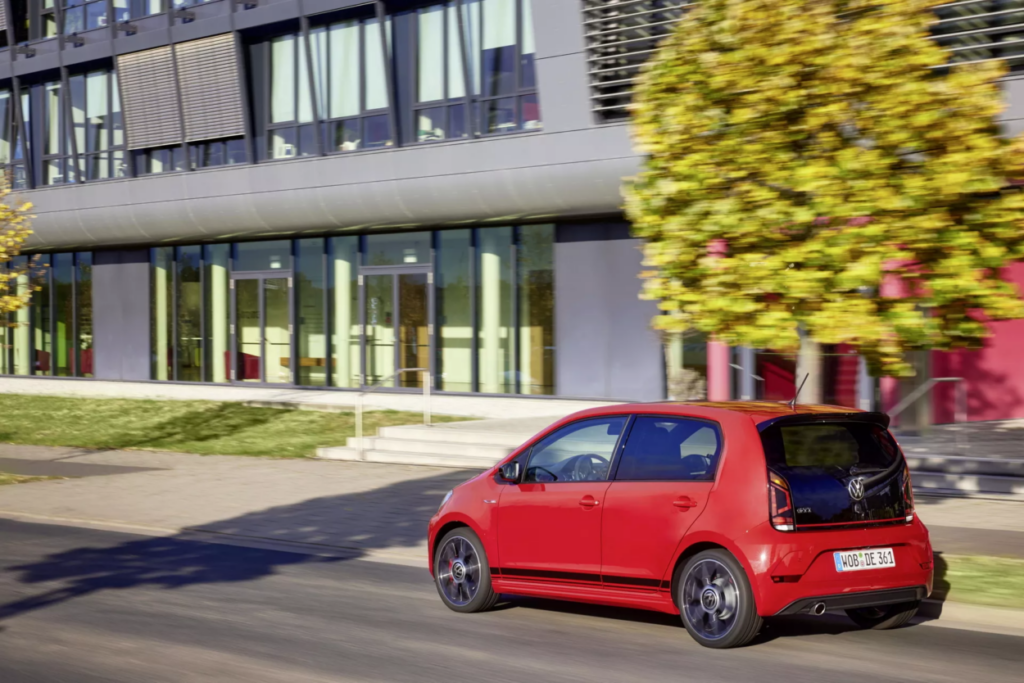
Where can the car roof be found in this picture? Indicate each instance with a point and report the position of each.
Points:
(758, 411)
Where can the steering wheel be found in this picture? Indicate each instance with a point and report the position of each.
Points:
(589, 467)
(694, 463)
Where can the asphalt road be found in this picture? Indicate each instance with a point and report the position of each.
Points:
(80, 606)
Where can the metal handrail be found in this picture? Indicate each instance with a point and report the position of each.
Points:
(379, 384)
(960, 407)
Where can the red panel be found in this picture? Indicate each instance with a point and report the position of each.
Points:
(643, 525)
(995, 374)
(545, 526)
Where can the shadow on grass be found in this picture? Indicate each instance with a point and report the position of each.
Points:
(392, 516)
(197, 426)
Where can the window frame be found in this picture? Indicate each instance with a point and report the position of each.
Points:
(448, 103)
(15, 139)
(717, 426)
(612, 461)
(518, 93)
(67, 5)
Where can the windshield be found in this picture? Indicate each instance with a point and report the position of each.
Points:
(850, 446)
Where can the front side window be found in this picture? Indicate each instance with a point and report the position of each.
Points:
(670, 449)
(578, 452)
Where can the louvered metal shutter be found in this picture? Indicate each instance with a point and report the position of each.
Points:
(149, 95)
(211, 94)
(3, 15)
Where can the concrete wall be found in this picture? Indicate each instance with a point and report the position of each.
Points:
(603, 338)
(120, 304)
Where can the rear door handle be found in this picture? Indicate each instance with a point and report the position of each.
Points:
(589, 502)
(684, 502)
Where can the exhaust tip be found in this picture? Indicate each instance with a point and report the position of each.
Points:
(818, 609)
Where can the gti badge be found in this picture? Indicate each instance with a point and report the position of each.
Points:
(856, 488)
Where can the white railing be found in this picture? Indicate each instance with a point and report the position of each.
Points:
(427, 417)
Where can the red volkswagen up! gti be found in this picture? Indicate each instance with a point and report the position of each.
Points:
(724, 513)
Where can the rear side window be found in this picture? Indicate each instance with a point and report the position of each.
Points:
(670, 449)
(849, 446)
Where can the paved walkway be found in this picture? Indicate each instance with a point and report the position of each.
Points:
(311, 399)
(378, 510)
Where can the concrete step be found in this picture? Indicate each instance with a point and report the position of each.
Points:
(966, 465)
(400, 458)
(473, 450)
(456, 435)
(926, 482)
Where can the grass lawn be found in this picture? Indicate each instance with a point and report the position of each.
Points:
(20, 479)
(202, 427)
(994, 581)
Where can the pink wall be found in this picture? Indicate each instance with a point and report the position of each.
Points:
(995, 374)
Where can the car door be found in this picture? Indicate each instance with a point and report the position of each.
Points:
(549, 524)
(660, 486)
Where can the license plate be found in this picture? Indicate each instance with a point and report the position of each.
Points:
(858, 560)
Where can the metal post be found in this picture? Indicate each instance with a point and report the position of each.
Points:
(359, 425)
(426, 398)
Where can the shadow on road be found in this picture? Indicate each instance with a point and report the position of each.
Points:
(392, 516)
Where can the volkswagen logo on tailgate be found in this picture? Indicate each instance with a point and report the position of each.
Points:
(856, 488)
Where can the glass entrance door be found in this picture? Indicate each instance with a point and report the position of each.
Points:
(262, 331)
(396, 308)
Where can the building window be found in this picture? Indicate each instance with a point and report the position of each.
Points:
(160, 160)
(211, 153)
(53, 334)
(501, 52)
(442, 110)
(292, 128)
(98, 124)
(12, 151)
(56, 149)
(84, 15)
(135, 9)
(32, 20)
(350, 78)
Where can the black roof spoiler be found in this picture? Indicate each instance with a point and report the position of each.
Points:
(810, 418)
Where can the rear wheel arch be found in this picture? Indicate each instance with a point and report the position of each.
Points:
(700, 545)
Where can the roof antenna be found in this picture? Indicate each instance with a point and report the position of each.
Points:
(792, 404)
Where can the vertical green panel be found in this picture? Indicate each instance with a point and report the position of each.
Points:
(344, 303)
(21, 354)
(312, 334)
(454, 312)
(160, 311)
(42, 341)
(188, 296)
(83, 311)
(380, 329)
(536, 309)
(63, 312)
(217, 313)
(494, 310)
(277, 330)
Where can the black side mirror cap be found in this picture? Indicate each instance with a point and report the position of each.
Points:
(509, 472)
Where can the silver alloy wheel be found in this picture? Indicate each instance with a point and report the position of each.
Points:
(458, 571)
(710, 599)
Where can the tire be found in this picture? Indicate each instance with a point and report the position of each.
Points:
(884, 617)
(715, 600)
(462, 574)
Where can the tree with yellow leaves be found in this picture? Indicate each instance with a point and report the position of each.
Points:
(15, 227)
(813, 165)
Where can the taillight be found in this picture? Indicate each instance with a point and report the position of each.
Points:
(908, 494)
(780, 503)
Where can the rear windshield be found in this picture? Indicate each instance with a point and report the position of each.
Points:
(846, 445)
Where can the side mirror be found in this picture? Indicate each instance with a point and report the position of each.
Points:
(509, 472)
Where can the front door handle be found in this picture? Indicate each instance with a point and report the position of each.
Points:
(684, 503)
(589, 502)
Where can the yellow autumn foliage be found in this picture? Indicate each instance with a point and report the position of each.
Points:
(814, 164)
(15, 227)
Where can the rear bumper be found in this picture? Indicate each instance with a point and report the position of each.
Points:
(893, 596)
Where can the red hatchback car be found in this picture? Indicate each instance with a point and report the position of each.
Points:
(724, 513)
